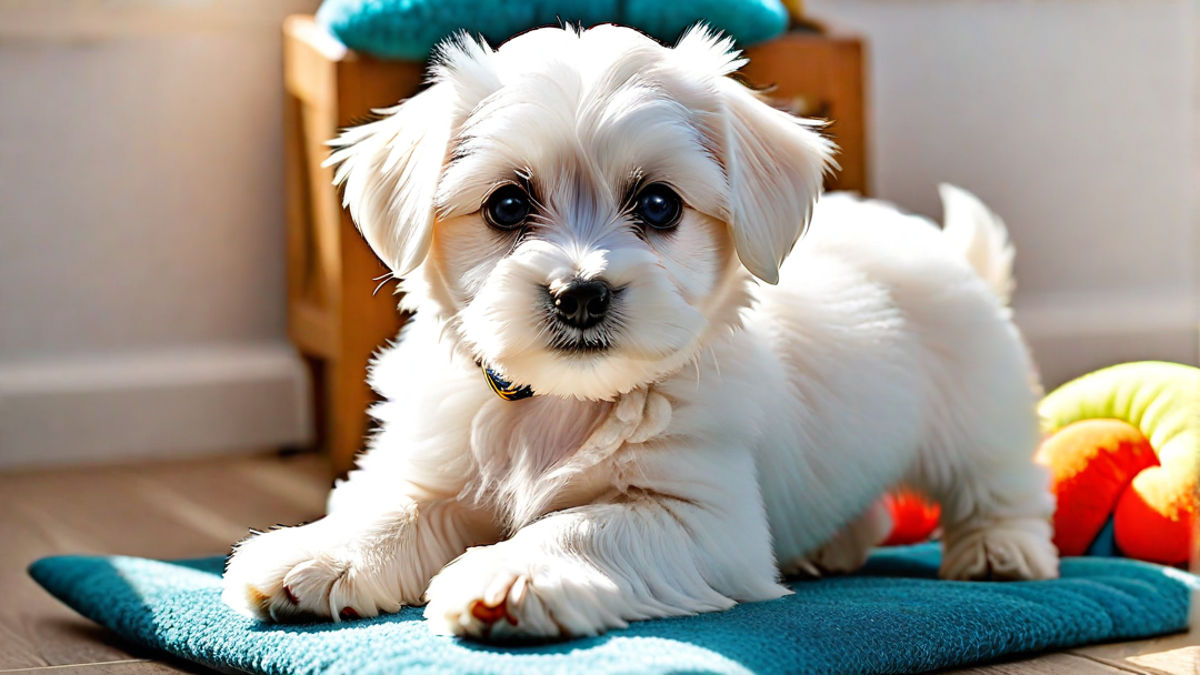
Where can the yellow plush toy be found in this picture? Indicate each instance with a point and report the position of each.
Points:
(1124, 444)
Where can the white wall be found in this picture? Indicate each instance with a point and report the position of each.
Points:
(141, 231)
(1077, 122)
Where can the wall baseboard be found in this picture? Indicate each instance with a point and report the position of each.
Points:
(155, 405)
(1074, 335)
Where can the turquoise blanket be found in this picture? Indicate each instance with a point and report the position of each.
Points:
(893, 617)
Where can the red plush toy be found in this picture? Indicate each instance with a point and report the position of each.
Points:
(1124, 445)
(914, 518)
(1123, 449)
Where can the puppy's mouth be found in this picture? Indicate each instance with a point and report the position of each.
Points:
(574, 341)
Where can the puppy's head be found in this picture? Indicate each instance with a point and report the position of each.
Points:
(578, 207)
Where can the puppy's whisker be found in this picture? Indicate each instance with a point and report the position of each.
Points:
(716, 364)
(381, 284)
(694, 361)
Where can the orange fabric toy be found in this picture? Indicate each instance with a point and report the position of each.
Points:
(1123, 447)
(914, 518)
(1125, 443)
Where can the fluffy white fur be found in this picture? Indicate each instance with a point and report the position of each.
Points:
(750, 406)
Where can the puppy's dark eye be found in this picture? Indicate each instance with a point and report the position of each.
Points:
(658, 207)
(507, 207)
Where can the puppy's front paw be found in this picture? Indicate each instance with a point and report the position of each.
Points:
(303, 573)
(1013, 549)
(491, 593)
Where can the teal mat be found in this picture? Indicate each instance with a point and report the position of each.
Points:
(893, 617)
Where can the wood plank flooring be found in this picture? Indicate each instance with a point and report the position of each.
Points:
(198, 508)
(177, 510)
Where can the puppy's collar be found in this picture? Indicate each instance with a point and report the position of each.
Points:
(503, 388)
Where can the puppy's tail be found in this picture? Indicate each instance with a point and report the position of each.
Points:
(980, 235)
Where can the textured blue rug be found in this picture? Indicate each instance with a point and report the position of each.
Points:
(893, 617)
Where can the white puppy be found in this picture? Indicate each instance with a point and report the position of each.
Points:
(603, 223)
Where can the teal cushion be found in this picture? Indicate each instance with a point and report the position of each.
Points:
(894, 617)
(408, 29)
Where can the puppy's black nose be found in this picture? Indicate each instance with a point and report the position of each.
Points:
(582, 304)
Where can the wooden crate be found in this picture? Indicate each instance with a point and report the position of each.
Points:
(339, 312)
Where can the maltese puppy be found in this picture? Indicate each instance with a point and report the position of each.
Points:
(624, 394)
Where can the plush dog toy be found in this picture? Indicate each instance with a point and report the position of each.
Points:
(914, 518)
(1124, 452)
(1124, 445)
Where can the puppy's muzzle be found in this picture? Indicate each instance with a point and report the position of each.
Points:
(582, 304)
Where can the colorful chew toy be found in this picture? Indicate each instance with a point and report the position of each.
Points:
(1124, 444)
(914, 518)
(1123, 449)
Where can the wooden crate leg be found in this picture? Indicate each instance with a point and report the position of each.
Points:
(319, 402)
(347, 398)
(367, 319)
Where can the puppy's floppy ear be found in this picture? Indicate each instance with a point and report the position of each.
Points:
(390, 170)
(775, 163)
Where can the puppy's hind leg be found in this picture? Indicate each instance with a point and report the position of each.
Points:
(982, 428)
(996, 522)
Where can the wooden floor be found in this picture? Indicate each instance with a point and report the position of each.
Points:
(197, 508)
(181, 510)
